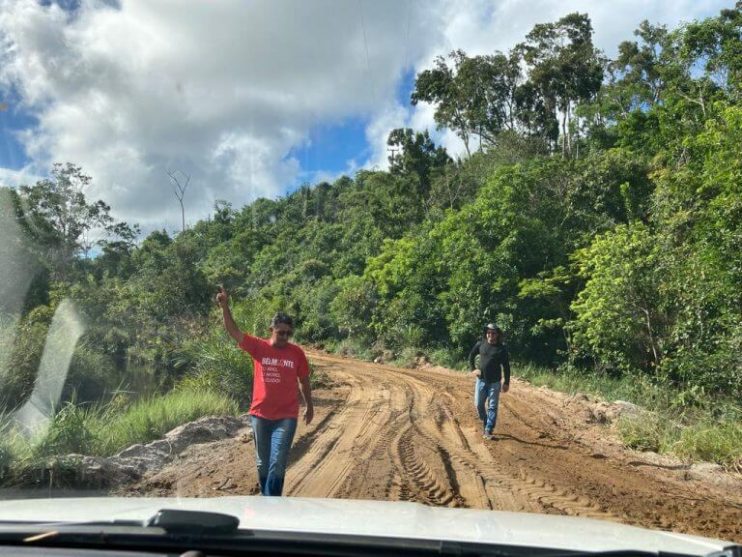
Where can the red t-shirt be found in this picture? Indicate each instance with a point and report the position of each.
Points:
(275, 392)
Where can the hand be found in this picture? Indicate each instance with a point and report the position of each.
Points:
(309, 414)
(475, 373)
(222, 297)
(505, 387)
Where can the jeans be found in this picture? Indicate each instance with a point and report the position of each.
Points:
(484, 391)
(272, 443)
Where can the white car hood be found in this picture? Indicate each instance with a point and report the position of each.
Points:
(375, 518)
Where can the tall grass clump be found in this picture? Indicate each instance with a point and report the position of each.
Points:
(103, 430)
(216, 364)
(92, 375)
(21, 345)
(717, 442)
(150, 418)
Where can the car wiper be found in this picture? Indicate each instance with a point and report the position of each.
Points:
(167, 522)
(731, 551)
(616, 553)
(171, 520)
(194, 522)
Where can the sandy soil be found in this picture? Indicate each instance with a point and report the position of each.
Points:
(412, 435)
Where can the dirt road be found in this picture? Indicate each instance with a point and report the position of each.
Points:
(411, 435)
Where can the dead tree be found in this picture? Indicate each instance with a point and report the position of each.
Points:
(180, 189)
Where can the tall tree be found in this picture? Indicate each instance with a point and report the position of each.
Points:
(439, 86)
(59, 220)
(476, 97)
(565, 67)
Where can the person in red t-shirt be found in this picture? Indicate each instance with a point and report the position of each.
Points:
(278, 366)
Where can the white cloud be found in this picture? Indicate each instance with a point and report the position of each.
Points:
(14, 178)
(224, 90)
(220, 90)
(389, 117)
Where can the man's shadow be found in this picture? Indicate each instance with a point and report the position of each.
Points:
(524, 442)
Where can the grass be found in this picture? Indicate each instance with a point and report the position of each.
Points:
(149, 419)
(716, 442)
(106, 430)
(351, 348)
(218, 384)
(691, 425)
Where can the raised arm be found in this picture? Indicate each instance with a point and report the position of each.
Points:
(222, 298)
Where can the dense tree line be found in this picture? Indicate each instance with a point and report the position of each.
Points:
(596, 219)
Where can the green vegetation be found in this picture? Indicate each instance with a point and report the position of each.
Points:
(597, 219)
(104, 430)
(150, 418)
(688, 424)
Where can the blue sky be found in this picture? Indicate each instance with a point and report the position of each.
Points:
(336, 148)
(13, 120)
(287, 92)
(330, 149)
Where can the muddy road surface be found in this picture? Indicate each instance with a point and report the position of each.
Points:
(386, 433)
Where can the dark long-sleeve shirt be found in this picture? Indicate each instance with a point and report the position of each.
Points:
(493, 361)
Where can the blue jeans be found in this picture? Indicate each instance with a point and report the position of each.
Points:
(490, 392)
(272, 443)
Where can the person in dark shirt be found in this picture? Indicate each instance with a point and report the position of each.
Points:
(493, 363)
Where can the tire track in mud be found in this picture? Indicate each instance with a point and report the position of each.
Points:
(432, 459)
(412, 435)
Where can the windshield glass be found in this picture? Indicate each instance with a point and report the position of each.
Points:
(474, 255)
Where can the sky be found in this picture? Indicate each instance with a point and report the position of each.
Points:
(251, 98)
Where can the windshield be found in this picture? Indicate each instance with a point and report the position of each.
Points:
(473, 255)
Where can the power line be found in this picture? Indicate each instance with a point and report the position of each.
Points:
(365, 40)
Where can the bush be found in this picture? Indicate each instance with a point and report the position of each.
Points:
(68, 432)
(409, 357)
(721, 443)
(6, 460)
(353, 348)
(24, 351)
(447, 358)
